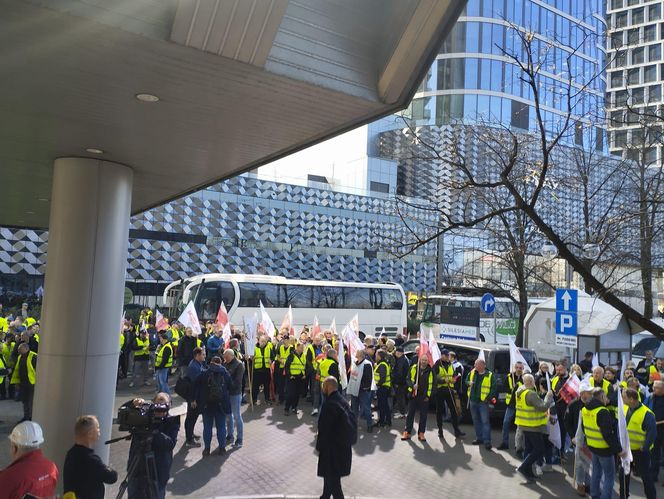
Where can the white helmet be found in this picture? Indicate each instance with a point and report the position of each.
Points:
(27, 434)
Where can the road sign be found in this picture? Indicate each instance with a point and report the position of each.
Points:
(488, 303)
(566, 317)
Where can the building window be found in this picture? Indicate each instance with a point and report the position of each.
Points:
(637, 56)
(317, 178)
(616, 79)
(520, 113)
(633, 36)
(633, 76)
(616, 4)
(654, 53)
(620, 139)
(621, 98)
(633, 2)
(617, 40)
(379, 187)
(620, 60)
(655, 93)
(621, 20)
(616, 118)
(637, 96)
(638, 16)
(650, 33)
(654, 12)
(650, 73)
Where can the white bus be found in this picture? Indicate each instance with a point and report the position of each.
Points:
(461, 317)
(377, 305)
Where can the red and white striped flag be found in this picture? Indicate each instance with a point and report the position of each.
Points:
(571, 389)
(161, 323)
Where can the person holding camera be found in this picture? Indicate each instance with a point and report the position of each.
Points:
(85, 473)
(163, 439)
(213, 400)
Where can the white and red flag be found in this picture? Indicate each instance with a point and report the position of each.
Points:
(189, 318)
(161, 324)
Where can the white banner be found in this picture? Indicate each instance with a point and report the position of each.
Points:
(189, 318)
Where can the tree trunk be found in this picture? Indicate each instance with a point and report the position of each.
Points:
(523, 310)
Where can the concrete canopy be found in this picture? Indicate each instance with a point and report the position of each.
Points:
(240, 83)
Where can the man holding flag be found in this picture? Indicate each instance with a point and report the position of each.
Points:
(445, 379)
(642, 432)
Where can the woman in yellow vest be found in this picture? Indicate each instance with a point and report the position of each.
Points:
(163, 363)
(531, 416)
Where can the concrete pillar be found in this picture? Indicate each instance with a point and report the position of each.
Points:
(83, 299)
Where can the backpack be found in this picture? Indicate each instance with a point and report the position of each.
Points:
(216, 388)
(184, 388)
(349, 425)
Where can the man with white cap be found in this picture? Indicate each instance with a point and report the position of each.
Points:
(29, 472)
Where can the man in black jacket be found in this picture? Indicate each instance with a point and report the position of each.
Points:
(399, 377)
(162, 444)
(656, 405)
(85, 473)
(334, 440)
(185, 352)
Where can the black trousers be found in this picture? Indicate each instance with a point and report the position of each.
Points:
(294, 387)
(640, 464)
(332, 487)
(417, 404)
(656, 456)
(534, 443)
(27, 394)
(190, 421)
(279, 382)
(261, 379)
(384, 413)
(400, 397)
(444, 397)
(6, 389)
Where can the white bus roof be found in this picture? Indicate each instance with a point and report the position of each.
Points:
(282, 280)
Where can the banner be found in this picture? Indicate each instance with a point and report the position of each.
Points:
(266, 322)
(343, 374)
(161, 324)
(189, 318)
(571, 389)
(287, 322)
(250, 334)
(315, 329)
(224, 324)
(623, 435)
(515, 356)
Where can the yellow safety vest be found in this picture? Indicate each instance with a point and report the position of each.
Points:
(7, 350)
(651, 371)
(3, 365)
(4, 325)
(324, 368)
(145, 347)
(554, 382)
(297, 365)
(486, 384)
(591, 429)
(413, 376)
(32, 376)
(605, 385)
(510, 383)
(160, 356)
(263, 358)
(284, 352)
(388, 374)
(122, 340)
(445, 375)
(526, 415)
(637, 436)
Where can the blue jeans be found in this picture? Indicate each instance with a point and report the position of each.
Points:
(162, 380)
(361, 406)
(510, 413)
(235, 418)
(602, 466)
(217, 418)
(480, 414)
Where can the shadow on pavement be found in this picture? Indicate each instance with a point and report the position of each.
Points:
(187, 480)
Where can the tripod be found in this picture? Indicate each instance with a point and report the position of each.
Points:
(144, 456)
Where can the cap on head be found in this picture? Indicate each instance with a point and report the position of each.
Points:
(444, 351)
(27, 434)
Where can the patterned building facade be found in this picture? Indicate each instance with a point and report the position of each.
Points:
(249, 225)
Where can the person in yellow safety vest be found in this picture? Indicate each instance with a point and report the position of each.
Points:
(25, 376)
(597, 381)
(4, 324)
(655, 372)
(383, 379)
(532, 414)
(514, 382)
(314, 355)
(600, 431)
(283, 350)
(328, 366)
(163, 363)
(140, 345)
(175, 336)
(642, 432)
(4, 371)
(295, 368)
(481, 392)
(262, 360)
(6, 349)
(420, 387)
(446, 376)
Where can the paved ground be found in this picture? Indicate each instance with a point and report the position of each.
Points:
(278, 460)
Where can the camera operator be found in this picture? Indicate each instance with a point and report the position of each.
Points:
(164, 437)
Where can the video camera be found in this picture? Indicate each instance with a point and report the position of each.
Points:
(142, 418)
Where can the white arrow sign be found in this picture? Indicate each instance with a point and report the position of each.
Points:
(488, 305)
(566, 298)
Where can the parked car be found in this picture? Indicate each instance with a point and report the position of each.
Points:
(497, 359)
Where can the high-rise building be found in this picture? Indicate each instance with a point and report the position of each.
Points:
(635, 75)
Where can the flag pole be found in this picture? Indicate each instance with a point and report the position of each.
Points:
(250, 376)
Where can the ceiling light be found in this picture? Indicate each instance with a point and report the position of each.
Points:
(94, 150)
(45, 200)
(29, 212)
(147, 98)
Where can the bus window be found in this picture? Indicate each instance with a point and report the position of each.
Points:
(357, 298)
(298, 296)
(392, 299)
(210, 297)
(432, 310)
(271, 295)
(328, 297)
